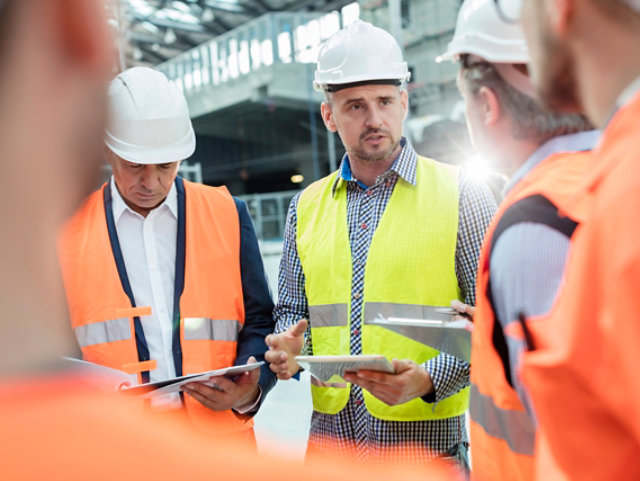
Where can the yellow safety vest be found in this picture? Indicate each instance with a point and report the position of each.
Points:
(410, 268)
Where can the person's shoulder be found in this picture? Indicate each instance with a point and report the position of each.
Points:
(474, 190)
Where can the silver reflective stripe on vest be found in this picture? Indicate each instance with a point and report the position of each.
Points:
(515, 427)
(105, 331)
(199, 328)
(372, 310)
(329, 315)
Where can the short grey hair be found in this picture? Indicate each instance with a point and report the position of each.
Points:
(531, 121)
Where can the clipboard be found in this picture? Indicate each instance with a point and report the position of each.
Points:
(451, 336)
(330, 369)
(175, 384)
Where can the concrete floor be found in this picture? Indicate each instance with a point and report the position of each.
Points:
(282, 424)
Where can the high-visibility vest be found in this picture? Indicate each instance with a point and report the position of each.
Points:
(503, 435)
(583, 374)
(410, 268)
(209, 307)
(58, 427)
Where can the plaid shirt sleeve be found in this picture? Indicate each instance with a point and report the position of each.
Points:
(292, 299)
(477, 207)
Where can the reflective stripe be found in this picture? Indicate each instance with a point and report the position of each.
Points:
(409, 311)
(329, 315)
(514, 427)
(199, 328)
(105, 331)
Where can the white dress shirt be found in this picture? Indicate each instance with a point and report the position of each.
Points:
(148, 247)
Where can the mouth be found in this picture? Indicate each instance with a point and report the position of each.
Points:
(374, 138)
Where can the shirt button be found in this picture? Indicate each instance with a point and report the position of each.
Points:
(355, 332)
(369, 193)
(357, 296)
(364, 226)
(358, 402)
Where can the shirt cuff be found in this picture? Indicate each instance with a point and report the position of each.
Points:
(449, 376)
(253, 407)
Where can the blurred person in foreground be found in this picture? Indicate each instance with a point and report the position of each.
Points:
(54, 63)
(177, 264)
(391, 234)
(545, 155)
(581, 367)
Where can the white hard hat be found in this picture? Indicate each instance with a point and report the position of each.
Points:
(480, 31)
(148, 118)
(358, 53)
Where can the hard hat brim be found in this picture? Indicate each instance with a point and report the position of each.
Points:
(180, 150)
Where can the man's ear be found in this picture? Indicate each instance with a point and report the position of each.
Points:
(489, 104)
(404, 101)
(80, 28)
(327, 116)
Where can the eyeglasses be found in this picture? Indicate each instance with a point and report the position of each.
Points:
(509, 10)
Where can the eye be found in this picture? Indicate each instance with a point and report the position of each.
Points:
(355, 106)
(386, 101)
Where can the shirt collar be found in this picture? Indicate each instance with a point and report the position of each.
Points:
(577, 142)
(119, 206)
(405, 165)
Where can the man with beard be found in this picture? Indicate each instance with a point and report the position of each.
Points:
(582, 374)
(55, 59)
(521, 265)
(390, 233)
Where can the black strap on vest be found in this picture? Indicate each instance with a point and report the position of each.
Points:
(179, 276)
(141, 342)
(536, 209)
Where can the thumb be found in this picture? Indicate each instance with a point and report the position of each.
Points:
(401, 365)
(298, 329)
(458, 306)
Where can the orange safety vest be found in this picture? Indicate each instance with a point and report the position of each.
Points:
(502, 433)
(57, 427)
(583, 374)
(209, 307)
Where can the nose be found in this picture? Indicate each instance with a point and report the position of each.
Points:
(149, 179)
(374, 119)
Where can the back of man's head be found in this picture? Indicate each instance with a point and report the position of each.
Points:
(493, 54)
(529, 120)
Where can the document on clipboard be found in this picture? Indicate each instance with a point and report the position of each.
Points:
(451, 336)
(175, 384)
(330, 369)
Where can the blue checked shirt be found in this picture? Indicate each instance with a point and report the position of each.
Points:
(354, 426)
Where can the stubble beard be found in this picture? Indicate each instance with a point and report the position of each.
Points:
(376, 155)
(554, 74)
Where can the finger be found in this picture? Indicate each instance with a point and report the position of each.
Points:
(207, 402)
(298, 329)
(458, 306)
(273, 340)
(275, 355)
(373, 376)
(402, 365)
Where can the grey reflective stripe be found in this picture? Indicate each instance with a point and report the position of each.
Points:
(198, 328)
(373, 310)
(329, 315)
(515, 427)
(105, 331)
